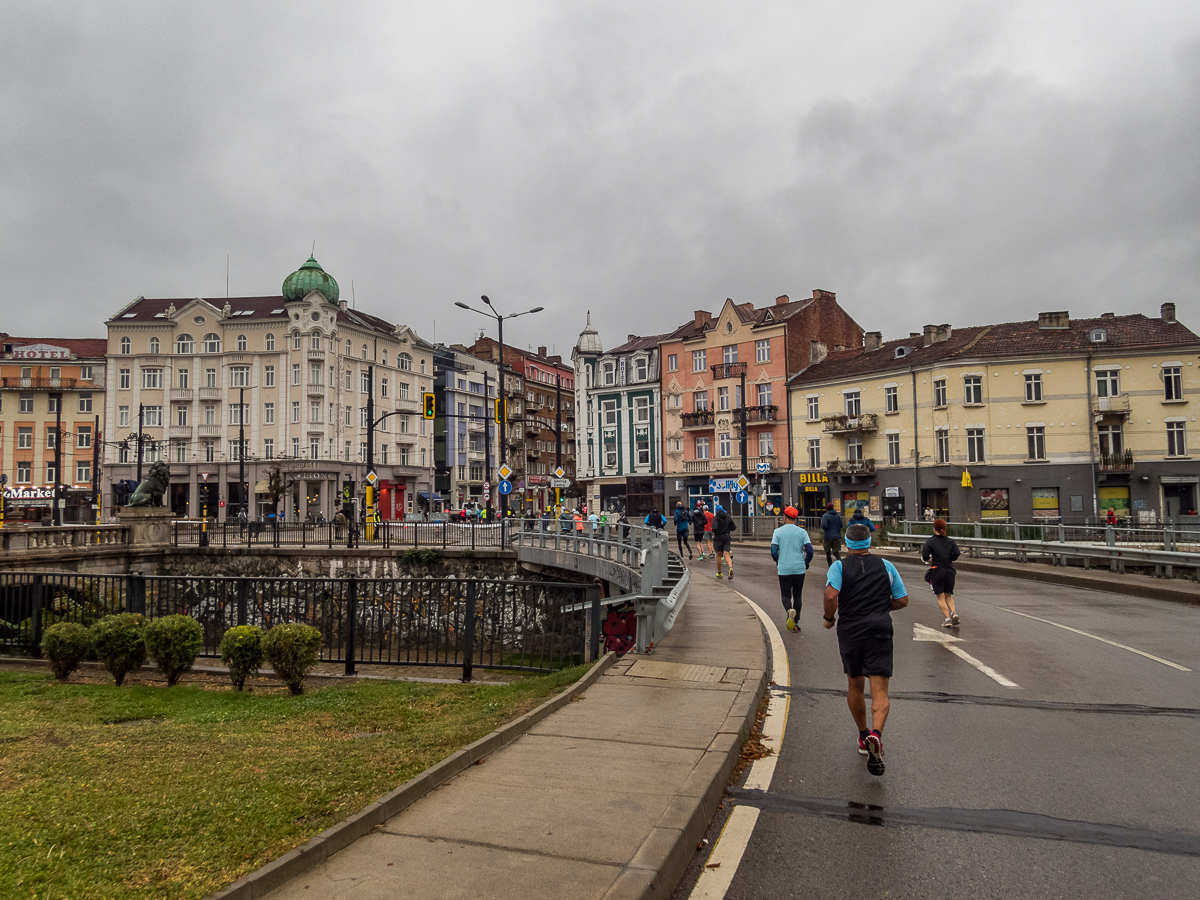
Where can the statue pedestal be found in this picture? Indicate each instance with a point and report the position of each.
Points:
(148, 525)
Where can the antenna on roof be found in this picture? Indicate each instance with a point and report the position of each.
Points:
(353, 299)
(314, 249)
(226, 276)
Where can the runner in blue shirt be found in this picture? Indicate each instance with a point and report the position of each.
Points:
(792, 550)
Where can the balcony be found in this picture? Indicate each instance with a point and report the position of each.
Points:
(316, 389)
(851, 466)
(316, 355)
(1116, 462)
(208, 430)
(210, 393)
(701, 419)
(757, 414)
(1111, 407)
(728, 370)
(726, 465)
(180, 431)
(406, 438)
(181, 394)
(47, 384)
(847, 424)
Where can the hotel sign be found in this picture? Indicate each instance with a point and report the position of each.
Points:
(40, 351)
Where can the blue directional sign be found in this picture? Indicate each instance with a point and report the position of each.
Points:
(764, 468)
(504, 487)
(741, 496)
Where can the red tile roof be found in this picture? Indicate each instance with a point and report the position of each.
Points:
(253, 308)
(83, 348)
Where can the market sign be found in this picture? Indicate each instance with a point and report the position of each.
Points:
(29, 493)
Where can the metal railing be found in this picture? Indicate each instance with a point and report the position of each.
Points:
(490, 623)
(1182, 536)
(389, 534)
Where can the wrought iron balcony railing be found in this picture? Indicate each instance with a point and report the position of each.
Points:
(841, 424)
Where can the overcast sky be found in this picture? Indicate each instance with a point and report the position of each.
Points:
(927, 161)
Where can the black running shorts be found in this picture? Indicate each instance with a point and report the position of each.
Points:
(699, 534)
(867, 656)
(942, 580)
(721, 543)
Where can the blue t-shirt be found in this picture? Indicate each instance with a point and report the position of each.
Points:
(790, 539)
(834, 579)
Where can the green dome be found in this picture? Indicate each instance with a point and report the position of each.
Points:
(310, 277)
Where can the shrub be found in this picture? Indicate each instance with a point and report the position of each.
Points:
(173, 642)
(292, 650)
(421, 557)
(65, 645)
(120, 643)
(242, 652)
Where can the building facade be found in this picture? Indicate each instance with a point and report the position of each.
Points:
(230, 391)
(1055, 420)
(724, 385)
(466, 442)
(51, 426)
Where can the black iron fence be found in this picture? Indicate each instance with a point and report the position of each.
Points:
(472, 535)
(533, 626)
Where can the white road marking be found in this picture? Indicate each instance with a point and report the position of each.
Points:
(730, 846)
(925, 633)
(1096, 637)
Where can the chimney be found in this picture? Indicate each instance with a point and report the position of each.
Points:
(914, 334)
(782, 299)
(930, 331)
(872, 340)
(1168, 312)
(630, 338)
(819, 294)
(817, 351)
(702, 317)
(1060, 319)
(943, 333)
(1108, 315)
(541, 351)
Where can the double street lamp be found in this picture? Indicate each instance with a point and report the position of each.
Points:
(491, 311)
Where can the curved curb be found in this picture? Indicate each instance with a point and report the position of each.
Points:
(296, 862)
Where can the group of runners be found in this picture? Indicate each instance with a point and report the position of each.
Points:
(861, 592)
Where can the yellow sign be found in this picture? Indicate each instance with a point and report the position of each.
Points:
(812, 478)
(966, 479)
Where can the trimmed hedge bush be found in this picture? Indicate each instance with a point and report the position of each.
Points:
(65, 645)
(242, 652)
(120, 643)
(173, 642)
(292, 650)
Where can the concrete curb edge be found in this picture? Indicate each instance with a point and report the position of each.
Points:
(262, 881)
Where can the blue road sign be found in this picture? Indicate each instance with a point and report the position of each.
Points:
(504, 487)
(741, 496)
(764, 468)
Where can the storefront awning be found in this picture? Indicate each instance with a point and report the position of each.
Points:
(427, 496)
(262, 487)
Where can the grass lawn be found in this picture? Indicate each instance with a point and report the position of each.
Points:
(150, 792)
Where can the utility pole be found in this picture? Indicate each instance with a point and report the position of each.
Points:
(96, 472)
(241, 449)
(557, 433)
(141, 413)
(57, 458)
(487, 450)
(500, 392)
(369, 518)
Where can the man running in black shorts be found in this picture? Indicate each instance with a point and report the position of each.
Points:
(865, 589)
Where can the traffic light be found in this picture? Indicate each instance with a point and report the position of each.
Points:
(499, 410)
(429, 406)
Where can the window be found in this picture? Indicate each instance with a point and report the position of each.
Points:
(126, 346)
(349, 379)
(766, 443)
(699, 363)
(269, 448)
(295, 410)
(180, 452)
(296, 340)
(814, 453)
(402, 387)
(975, 445)
(609, 374)
(185, 344)
(210, 414)
(24, 472)
(853, 403)
(184, 379)
(268, 413)
(270, 342)
(241, 343)
(700, 401)
(314, 448)
(891, 399)
(123, 416)
(362, 417)
(268, 376)
(762, 351)
(364, 351)
(1108, 382)
(212, 343)
(722, 399)
(1035, 435)
(723, 444)
(123, 380)
(609, 412)
(641, 369)
(1172, 383)
(764, 395)
(314, 374)
(314, 341)
(641, 409)
(939, 392)
(181, 416)
(1111, 440)
(1033, 388)
(152, 416)
(85, 373)
(239, 376)
(942, 443)
(1176, 439)
(24, 438)
(83, 437)
(25, 403)
(854, 449)
(349, 413)
(51, 473)
(973, 390)
(51, 439)
(314, 412)
(236, 450)
(641, 437)
(151, 379)
(153, 346)
(210, 378)
(55, 404)
(364, 382)
(893, 449)
(729, 353)
(672, 362)
(814, 409)
(383, 387)
(702, 447)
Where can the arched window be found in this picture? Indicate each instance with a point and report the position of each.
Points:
(241, 343)
(212, 343)
(349, 349)
(404, 361)
(125, 345)
(364, 351)
(153, 346)
(185, 344)
(315, 340)
(270, 342)
(295, 340)
(385, 357)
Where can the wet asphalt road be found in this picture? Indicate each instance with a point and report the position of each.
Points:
(1080, 783)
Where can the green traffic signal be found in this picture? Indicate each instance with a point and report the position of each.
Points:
(429, 406)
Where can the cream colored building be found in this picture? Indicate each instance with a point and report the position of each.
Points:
(1056, 419)
(291, 373)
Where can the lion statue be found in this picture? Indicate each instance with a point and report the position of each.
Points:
(151, 489)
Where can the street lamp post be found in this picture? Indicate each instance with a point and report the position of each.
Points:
(491, 311)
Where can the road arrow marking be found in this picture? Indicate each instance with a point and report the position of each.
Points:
(925, 633)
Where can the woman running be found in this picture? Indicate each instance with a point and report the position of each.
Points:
(941, 552)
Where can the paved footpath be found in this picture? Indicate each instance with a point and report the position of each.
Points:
(606, 797)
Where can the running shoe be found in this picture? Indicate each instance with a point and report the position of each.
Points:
(947, 623)
(702, 556)
(718, 574)
(862, 746)
(875, 753)
(791, 622)
(731, 573)
(954, 619)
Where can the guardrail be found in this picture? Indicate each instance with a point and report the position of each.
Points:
(1185, 535)
(1164, 562)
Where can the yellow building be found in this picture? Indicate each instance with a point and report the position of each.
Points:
(1054, 419)
(289, 375)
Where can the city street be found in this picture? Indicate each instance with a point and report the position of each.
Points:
(1031, 760)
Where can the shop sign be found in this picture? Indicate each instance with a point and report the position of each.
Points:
(812, 478)
(29, 493)
(40, 351)
(891, 492)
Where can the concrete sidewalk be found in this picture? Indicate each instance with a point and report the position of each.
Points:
(606, 797)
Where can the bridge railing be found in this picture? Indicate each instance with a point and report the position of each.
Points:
(38, 537)
(1183, 536)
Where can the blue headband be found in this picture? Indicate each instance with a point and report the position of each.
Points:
(858, 545)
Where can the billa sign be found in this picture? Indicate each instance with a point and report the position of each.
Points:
(812, 478)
